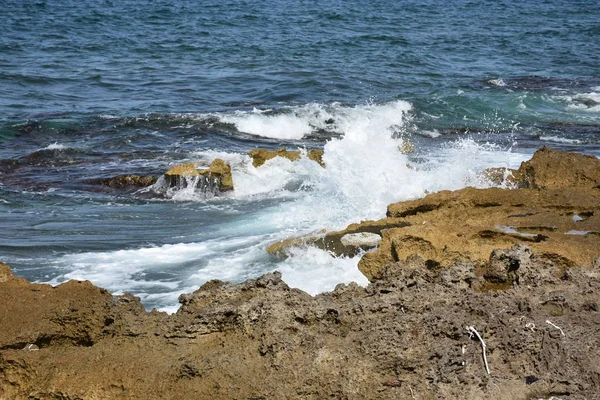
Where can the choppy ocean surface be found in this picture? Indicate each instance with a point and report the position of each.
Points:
(95, 89)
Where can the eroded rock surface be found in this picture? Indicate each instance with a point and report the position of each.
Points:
(556, 212)
(402, 337)
(332, 241)
(522, 267)
(467, 224)
(550, 169)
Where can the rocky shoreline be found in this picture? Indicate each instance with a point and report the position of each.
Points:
(516, 269)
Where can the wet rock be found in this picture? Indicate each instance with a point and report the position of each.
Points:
(332, 241)
(361, 240)
(214, 179)
(550, 169)
(260, 156)
(126, 181)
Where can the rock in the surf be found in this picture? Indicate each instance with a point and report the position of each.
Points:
(126, 181)
(549, 169)
(215, 179)
(260, 156)
(347, 243)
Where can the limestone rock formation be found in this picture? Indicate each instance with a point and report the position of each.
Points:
(126, 181)
(520, 266)
(556, 211)
(448, 227)
(550, 169)
(260, 156)
(403, 336)
(215, 179)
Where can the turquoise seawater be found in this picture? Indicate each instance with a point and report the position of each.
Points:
(95, 89)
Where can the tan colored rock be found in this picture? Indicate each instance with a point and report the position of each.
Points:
(217, 174)
(550, 169)
(187, 169)
(260, 156)
(448, 227)
(258, 339)
(407, 147)
(220, 170)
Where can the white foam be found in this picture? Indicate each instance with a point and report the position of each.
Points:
(281, 126)
(316, 271)
(434, 133)
(587, 102)
(293, 123)
(365, 171)
(55, 146)
(497, 82)
(558, 139)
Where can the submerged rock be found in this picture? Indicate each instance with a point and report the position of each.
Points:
(260, 156)
(126, 181)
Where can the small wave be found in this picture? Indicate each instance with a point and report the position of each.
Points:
(287, 127)
(586, 102)
(497, 82)
(294, 123)
(108, 116)
(558, 139)
(55, 146)
(434, 133)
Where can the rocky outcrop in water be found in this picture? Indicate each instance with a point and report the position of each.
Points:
(212, 180)
(126, 181)
(260, 156)
(550, 169)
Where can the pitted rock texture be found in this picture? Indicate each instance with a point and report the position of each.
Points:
(403, 336)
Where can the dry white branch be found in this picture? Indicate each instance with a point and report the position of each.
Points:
(556, 326)
(531, 326)
(472, 331)
(412, 394)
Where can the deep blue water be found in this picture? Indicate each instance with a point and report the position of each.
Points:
(130, 57)
(94, 89)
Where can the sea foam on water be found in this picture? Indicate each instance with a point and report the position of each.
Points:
(365, 170)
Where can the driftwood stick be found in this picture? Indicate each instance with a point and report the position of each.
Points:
(556, 326)
(472, 331)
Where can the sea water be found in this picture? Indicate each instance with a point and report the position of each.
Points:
(91, 90)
